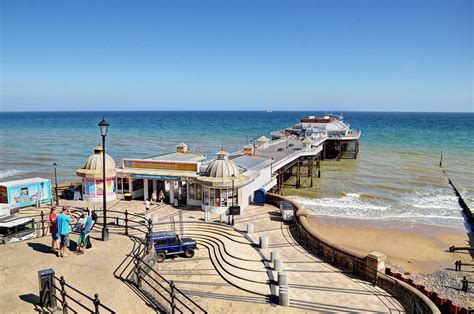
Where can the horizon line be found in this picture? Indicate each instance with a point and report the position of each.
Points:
(228, 110)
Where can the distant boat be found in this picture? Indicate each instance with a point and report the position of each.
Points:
(268, 110)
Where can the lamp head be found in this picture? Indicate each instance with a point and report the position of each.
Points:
(104, 126)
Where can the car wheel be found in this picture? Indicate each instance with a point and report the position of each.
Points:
(189, 253)
(160, 257)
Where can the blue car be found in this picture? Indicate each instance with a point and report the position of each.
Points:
(168, 243)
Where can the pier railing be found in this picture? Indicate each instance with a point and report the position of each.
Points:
(145, 277)
(57, 293)
(356, 263)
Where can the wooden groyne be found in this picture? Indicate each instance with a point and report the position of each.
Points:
(465, 208)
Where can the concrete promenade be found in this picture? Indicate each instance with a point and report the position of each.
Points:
(228, 273)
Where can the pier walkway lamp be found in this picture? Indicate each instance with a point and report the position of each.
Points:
(104, 126)
(56, 184)
(233, 197)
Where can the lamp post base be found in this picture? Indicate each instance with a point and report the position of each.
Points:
(105, 234)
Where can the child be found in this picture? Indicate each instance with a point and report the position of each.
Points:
(147, 204)
(161, 197)
(82, 236)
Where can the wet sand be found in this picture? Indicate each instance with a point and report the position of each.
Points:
(411, 247)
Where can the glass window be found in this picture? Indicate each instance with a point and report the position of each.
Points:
(224, 198)
(175, 241)
(198, 192)
(192, 191)
(212, 197)
(218, 198)
(206, 197)
(161, 242)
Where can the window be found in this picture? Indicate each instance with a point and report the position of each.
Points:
(24, 191)
(224, 198)
(161, 242)
(206, 197)
(175, 241)
(218, 198)
(192, 191)
(198, 192)
(137, 184)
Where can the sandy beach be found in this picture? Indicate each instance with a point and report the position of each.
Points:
(411, 247)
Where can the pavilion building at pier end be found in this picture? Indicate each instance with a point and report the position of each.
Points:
(191, 179)
(215, 184)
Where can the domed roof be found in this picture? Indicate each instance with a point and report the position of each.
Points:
(222, 167)
(94, 165)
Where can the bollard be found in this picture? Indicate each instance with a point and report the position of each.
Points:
(278, 265)
(222, 218)
(47, 290)
(282, 279)
(274, 255)
(284, 296)
(207, 216)
(126, 222)
(263, 242)
(249, 228)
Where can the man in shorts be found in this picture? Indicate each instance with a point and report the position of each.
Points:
(63, 222)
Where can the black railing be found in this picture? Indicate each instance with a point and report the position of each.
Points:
(55, 292)
(144, 273)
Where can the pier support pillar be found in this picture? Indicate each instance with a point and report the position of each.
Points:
(145, 189)
(171, 192)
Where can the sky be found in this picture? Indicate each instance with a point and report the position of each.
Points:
(367, 55)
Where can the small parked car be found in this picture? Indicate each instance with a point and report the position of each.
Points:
(168, 243)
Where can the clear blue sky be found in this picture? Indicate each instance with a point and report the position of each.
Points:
(403, 55)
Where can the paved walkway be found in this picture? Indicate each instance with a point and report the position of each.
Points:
(228, 273)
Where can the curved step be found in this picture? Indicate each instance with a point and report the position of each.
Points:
(233, 279)
(252, 267)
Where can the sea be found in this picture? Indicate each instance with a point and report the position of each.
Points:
(395, 177)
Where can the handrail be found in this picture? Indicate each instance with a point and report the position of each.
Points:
(64, 294)
(170, 283)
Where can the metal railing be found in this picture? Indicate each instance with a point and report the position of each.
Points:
(65, 292)
(178, 301)
(66, 297)
(144, 273)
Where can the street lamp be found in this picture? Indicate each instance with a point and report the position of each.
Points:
(104, 126)
(233, 197)
(56, 184)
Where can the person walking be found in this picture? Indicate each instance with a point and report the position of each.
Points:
(89, 224)
(153, 197)
(147, 204)
(63, 222)
(161, 197)
(81, 242)
(53, 229)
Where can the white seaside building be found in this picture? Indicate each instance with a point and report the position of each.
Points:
(187, 177)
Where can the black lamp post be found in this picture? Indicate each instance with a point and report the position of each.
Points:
(56, 184)
(233, 197)
(104, 126)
